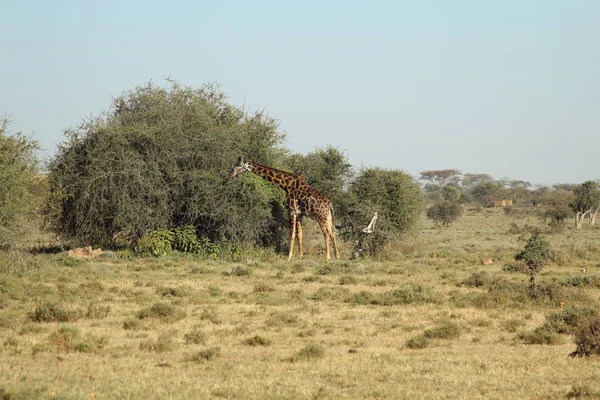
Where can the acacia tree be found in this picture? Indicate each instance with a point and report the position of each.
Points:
(586, 202)
(327, 170)
(437, 179)
(19, 180)
(159, 159)
(470, 180)
(394, 195)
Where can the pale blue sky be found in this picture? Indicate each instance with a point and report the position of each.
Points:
(510, 88)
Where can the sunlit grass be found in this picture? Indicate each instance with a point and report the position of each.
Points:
(426, 321)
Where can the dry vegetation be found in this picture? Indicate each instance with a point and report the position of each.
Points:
(429, 321)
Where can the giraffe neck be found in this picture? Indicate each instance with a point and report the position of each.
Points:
(283, 179)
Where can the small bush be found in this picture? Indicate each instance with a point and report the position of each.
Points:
(258, 340)
(583, 281)
(205, 355)
(52, 313)
(582, 392)
(587, 339)
(162, 311)
(447, 331)
(157, 243)
(408, 294)
(185, 239)
(570, 319)
(418, 342)
(348, 280)
(167, 291)
(240, 270)
(163, 343)
(535, 255)
(330, 293)
(132, 324)
(195, 337)
(97, 311)
(444, 213)
(282, 318)
(541, 335)
(511, 325)
(311, 352)
(336, 268)
(262, 288)
(479, 279)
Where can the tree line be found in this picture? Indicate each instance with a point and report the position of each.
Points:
(559, 202)
(158, 159)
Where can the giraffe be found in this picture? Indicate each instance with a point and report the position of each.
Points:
(301, 200)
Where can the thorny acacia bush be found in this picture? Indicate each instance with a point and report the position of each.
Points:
(393, 194)
(19, 181)
(158, 159)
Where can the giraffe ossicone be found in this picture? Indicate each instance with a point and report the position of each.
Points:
(301, 200)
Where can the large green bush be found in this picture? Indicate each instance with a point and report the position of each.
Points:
(158, 158)
(19, 183)
(393, 194)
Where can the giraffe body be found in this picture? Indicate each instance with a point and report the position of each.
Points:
(301, 200)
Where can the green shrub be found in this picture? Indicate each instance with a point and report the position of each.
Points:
(205, 355)
(196, 336)
(587, 339)
(570, 319)
(50, 312)
(535, 255)
(157, 243)
(157, 158)
(411, 293)
(541, 335)
(311, 352)
(163, 343)
(162, 311)
(444, 213)
(418, 342)
(22, 186)
(447, 330)
(258, 340)
(394, 195)
(185, 239)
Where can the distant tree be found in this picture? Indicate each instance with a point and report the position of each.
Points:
(451, 193)
(556, 208)
(586, 202)
(519, 184)
(535, 255)
(437, 179)
(470, 180)
(19, 180)
(486, 192)
(444, 213)
(567, 187)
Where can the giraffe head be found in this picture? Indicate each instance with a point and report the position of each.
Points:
(239, 167)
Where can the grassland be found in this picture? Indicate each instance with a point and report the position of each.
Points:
(427, 321)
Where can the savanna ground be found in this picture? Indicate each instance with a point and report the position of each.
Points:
(429, 321)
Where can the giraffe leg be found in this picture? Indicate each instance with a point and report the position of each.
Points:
(335, 248)
(325, 231)
(292, 233)
(299, 230)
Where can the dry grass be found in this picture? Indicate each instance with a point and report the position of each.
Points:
(426, 322)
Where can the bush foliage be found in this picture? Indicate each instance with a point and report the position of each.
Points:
(157, 159)
(151, 173)
(444, 212)
(19, 180)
